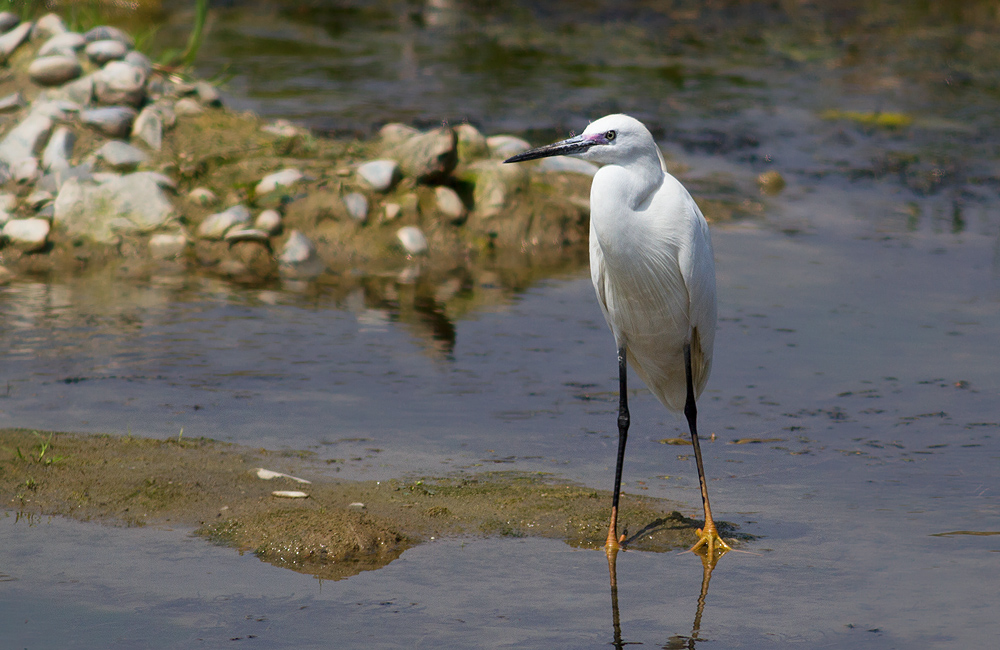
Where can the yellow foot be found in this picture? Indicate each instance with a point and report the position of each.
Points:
(709, 538)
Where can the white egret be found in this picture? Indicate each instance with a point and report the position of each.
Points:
(652, 266)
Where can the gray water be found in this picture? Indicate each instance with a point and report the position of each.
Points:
(859, 315)
(872, 361)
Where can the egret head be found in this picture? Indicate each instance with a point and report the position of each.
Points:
(613, 139)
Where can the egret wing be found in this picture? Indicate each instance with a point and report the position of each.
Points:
(598, 277)
(697, 264)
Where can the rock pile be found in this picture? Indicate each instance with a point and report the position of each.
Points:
(80, 90)
(103, 156)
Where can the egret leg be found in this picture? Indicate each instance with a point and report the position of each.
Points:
(614, 541)
(709, 535)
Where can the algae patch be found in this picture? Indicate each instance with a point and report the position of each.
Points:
(343, 528)
(886, 120)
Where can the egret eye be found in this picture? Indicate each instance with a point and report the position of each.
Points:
(610, 135)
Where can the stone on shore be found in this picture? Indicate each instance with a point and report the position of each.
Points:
(298, 257)
(284, 179)
(208, 94)
(412, 239)
(38, 200)
(27, 234)
(100, 52)
(79, 91)
(13, 39)
(113, 121)
(8, 202)
(428, 157)
(25, 170)
(106, 32)
(59, 149)
(98, 211)
(203, 196)
(380, 175)
(139, 60)
(60, 110)
(216, 225)
(54, 70)
(247, 234)
(449, 203)
(471, 143)
(8, 21)
(121, 156)
(66, 43)
(395, 133)
(25, 139)
(495, 183)
(12, 102)
(120, 83)
(188, 106)
(357, 206)
(269, 221)
(392, 210)
(54, 179)
(47, 26)
(148, 128)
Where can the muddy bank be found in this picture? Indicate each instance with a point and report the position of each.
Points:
(339, 529)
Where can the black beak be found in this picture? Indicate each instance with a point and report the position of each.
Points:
(576, 144)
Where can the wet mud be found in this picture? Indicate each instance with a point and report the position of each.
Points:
(337, 530)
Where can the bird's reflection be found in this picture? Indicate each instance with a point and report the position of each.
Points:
(676, 642)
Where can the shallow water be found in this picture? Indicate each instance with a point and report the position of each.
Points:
(870, 360)
(855, 361)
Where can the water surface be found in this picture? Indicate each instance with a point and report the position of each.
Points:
(856, 361)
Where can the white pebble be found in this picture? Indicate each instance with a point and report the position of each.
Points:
(100, 52)
(203, 196)
(27, 234)
(284, 179)
(298, 249)
(379, 174)
(412, 239)
(290, 494)
(188, 106)
(216, 225)
(357, 205)
(269, 221)
(268, 474)
(449, 203)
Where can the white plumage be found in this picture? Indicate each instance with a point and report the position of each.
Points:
(651, 261)
(653, 269)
